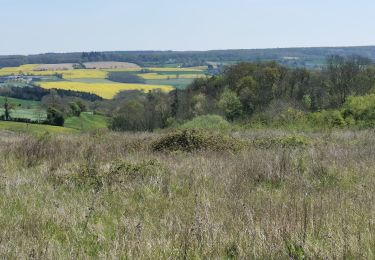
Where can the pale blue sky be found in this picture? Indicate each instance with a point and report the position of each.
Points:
(38, 26)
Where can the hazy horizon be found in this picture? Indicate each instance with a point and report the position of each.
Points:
(33, 27)
(157, 50)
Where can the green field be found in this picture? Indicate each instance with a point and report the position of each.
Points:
(14, 84)
(86, 122)
(177, 83)
(27, 109)
(21, 103)
(34, 128)
(89, 80)
(178, 72)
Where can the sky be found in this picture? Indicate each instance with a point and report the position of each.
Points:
(40, 26)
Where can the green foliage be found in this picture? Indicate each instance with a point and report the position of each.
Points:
(306, 101)
(55, 117)
(190, 140)
(327, 118)
(231, 105)
(75, 109)
(360, 109)
(207, 122)
(295, 250)
(142, 113)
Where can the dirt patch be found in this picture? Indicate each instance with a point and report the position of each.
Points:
(111, 65)
(62, 66)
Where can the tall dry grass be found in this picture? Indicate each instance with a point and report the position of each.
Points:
(109, 195)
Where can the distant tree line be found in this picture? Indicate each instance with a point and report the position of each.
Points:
(300, 57)
(37, 93)
(246, 90)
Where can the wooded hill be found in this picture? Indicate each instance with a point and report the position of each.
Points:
(293, 57)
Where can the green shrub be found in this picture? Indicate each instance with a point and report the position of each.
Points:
(55, 117)
(360, 109)
(120, 172)
(326, 118)
(189, 140)
(294, 141)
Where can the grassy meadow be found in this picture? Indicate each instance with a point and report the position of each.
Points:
(87, 122)
(278, 195)
(25, 109)
(35, 129)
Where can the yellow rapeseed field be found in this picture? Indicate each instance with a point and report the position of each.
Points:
(73, 74)
(24, 69)
(67, 74)
(105, 90)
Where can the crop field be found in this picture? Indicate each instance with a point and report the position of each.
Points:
(20, 103)
(94, 79)
(91, 80)
(104, 90)
(17, 70)
(26, 109)
(172, 76)
(111, 65)
(72, 74)
(179, 83)
(60, 66)
(32, 114)
(175, 69)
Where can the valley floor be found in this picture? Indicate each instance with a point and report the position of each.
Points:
(109, 195)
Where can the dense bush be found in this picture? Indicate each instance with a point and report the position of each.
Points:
(55, 117)
(326, 118)
(192, 140)
(360, 109)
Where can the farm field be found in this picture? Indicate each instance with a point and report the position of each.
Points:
(23, 69)
(21, 103)
(172, 76)
(94, 79)
(104, 90)
(25, 109)
(32, 114)
(179, 83)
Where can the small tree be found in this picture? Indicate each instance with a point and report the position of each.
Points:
(7, 108)
(231, 105)
(55, 117)
(75, 109)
